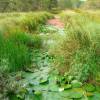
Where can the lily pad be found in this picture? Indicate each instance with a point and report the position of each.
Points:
(33, 97)
(41, 87)
(68, 86)
(44, 81)
(89, 94)
(61, 89)
(96, 96)
(54, 88)
(76, 84)
(38, 93)
(89, 87)
(75, 95)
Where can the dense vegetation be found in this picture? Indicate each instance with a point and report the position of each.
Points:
(31, 5)
(80, 47)
(52, 54)
(28, 5)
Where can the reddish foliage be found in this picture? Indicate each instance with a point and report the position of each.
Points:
(56, 22)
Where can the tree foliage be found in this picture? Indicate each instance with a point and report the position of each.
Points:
(30, 5)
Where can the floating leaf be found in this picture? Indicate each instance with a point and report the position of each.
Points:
(33, 97)
(68, 86)
(96, 96)
(43, 81)
(37, 92)
(54, 88)
(41, 87)
(76, 84)
(75, 95)
(89, 94)
(89, 88)
(61, 89)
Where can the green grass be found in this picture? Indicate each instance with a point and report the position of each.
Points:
(26, 22)
(16, 44)
(75, 55)
(30, 41)
(13, 56)
(79, 51)
(16, 50)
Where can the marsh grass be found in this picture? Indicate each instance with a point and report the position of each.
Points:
(13, 56)
(79, 48)
(26, 22)
(16, 50)
(16, 44)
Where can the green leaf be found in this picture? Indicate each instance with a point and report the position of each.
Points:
(20, 96)
(76, 84)
(68, 86)
(43, 81)
(13, 97)
(37, 92)
(70, 78)
(61, 89)
(89, 94)
(89, 88)
(33, 97)
(96, 96)
(75, 95)
(54, 88)
(98, 88)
